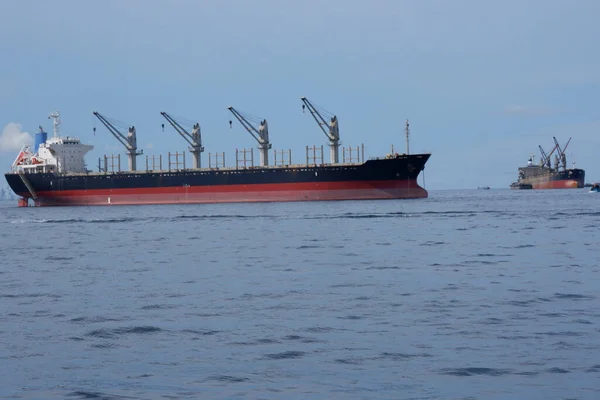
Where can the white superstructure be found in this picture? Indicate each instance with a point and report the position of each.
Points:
(57, 154)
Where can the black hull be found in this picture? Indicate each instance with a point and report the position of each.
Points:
(354, 179)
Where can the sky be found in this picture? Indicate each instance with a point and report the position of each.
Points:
(483, 83)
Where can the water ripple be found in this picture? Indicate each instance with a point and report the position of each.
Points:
(110, 333)
(350, 300)
(96, 396)
(471, 371)
(285, 355)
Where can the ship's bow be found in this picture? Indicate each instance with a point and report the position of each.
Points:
(16, 184)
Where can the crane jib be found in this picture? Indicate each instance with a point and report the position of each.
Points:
(193, 140)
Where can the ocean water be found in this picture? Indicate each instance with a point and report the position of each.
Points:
(477, 294)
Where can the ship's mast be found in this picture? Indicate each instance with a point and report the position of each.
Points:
(55, 116)
(407, 132)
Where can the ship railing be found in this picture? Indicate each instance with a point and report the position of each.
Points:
(223, 169)
(353, 155)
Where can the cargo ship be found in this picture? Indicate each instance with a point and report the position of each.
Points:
(54, 172)
(546, 176)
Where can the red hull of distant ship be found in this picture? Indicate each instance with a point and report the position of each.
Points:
(564, 184)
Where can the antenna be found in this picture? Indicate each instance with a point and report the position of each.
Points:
(407, 130)
(55, 116)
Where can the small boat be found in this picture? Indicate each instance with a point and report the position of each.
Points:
(483, 187)
(520, 186)
(595, 187)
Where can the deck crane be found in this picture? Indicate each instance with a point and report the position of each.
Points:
(194, 138)
(129, 141)
(561, 152)
(545, 160)
(261, 135)
(333, 133)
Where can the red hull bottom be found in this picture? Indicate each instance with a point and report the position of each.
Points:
(323, 191)
(562, 184)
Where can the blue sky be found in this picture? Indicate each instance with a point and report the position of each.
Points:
(483, 83)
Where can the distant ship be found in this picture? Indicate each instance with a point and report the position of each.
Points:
(54, 173)
(544, 176)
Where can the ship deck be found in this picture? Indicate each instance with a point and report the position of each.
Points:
(284, 167)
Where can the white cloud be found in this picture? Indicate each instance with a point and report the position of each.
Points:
(12, 138)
